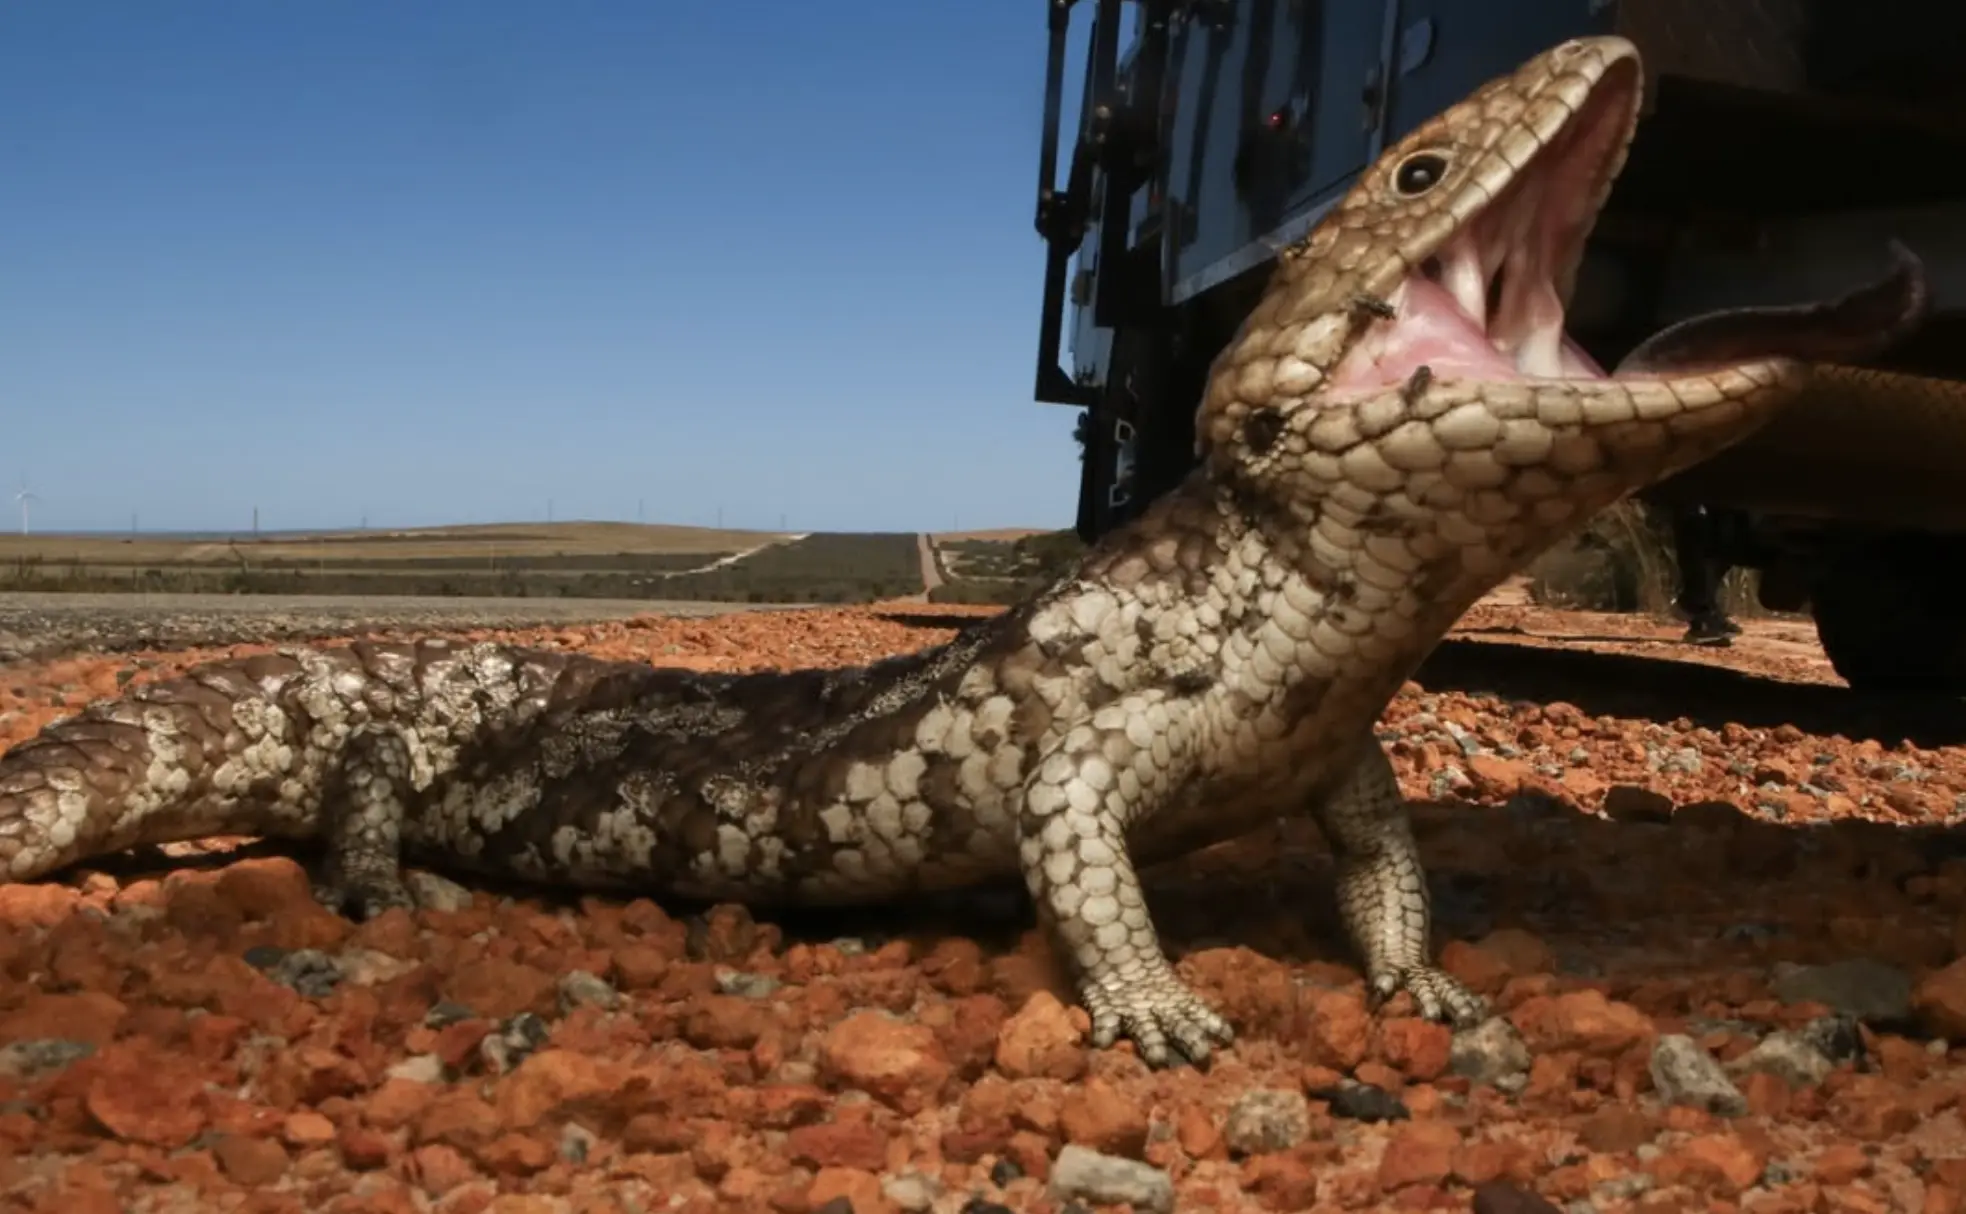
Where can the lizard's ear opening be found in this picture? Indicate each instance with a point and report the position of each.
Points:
(1261, 429)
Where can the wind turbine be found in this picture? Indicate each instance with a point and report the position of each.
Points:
(24, 497)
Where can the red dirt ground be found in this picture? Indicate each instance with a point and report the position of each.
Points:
(1631, 842)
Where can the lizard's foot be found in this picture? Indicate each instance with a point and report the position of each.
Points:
(364, 898)
(1153, 1010)
(1441, 996)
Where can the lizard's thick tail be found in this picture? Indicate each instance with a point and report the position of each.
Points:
(209, 753)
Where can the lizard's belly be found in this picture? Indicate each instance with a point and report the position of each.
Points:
(829, 829)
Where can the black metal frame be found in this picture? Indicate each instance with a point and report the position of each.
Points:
(1118, 137)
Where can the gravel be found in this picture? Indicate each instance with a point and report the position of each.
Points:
(1712, 897)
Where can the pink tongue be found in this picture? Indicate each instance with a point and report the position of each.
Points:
(1434, 332)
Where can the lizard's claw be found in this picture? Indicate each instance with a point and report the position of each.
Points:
(1441, 996)
(1153, 1010)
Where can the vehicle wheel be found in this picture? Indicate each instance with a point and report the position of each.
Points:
(1892, 616)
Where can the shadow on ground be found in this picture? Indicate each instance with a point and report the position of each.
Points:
(1664, 689)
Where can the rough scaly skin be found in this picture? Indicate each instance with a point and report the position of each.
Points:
(1221, 661)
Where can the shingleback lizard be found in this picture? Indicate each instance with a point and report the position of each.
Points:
(1399, 424)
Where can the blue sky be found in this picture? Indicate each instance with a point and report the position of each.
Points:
(450, 260)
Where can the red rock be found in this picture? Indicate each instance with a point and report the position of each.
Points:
(728, 1022)
(37, 904)
(1283, 1180)
(1939, 999)
(1496, 776)
(1839, 1163)
(1198, 1134)
(214, 1037)
(1583, 784)
(501, 989)
(309, 1074)
(85, 1016)
(1041, 1040)
(1767, 1095)
(896, 1062)
(227, 1114)
(437, 1169)
(862, 1191)
(1902, 1061)
(458, 1117)
(252, 1162)
(644, 918)
(1419, 1049)
(1097, 1114)
(552, 1084)
(730, 935)
(1340, 1029)
(393, 933)
(1906, 799)
(748, 1188)
(1723, 1163)
(837, 1144)
(363, 1148)
(781, 1106)
(1031, 1152)
(955, 966)
(656, 1133)
(145, 1098)
(266, 888)
(983, 1121)
(456, 1044)
(1420, 1153)
(516, 1155)
(397, 1102)
(307, 1128)
(1872, 1108)
(1487, 1160)
(1774, 771)
(1581, 1020)
(1379, 1075)
(1522, 952)
(967, 1029)
(1617, 1130)
(1482, 971)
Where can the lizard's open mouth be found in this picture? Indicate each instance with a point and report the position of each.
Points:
(1488, 300)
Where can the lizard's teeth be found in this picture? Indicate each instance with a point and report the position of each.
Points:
(1536, 318)
(1540, 356)
(1462, 275)
(1540, 353)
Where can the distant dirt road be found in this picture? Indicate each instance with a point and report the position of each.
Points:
(931, 568)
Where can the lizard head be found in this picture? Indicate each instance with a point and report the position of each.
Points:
(1408, 360)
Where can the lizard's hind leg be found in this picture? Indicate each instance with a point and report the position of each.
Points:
(362, 824)
(1382, 891)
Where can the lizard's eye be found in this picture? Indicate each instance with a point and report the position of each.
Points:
(1419, 173)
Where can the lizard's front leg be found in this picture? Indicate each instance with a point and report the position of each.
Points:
(1073, 855)
(362, 822)
(1382, 891)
